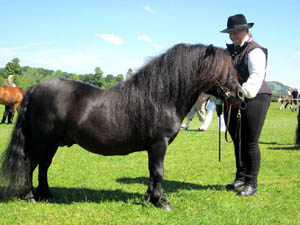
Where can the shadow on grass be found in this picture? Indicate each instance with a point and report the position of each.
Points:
(191, 130)
(293, 147)
(269, 143)
(285, 148)
(72, 195)
(274, 143)
(171, 186)
(3, 198)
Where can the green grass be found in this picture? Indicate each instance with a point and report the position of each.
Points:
(93, 189)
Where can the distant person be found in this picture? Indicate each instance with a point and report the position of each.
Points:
(199, 109)
(288, 92)
(211, 108)
(9, 109)
(250, 60)
(295, 95)
(288, 98)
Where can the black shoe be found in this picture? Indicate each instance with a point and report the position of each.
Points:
(248, 190)
(235, 185)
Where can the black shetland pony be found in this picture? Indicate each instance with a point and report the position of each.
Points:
(142, 113)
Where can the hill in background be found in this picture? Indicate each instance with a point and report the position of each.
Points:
(277, 87)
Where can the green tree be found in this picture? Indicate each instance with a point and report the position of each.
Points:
(119, 78)
(97, 79)
(13, 68)
(109, 78)
(3, 81)
(85, 78)
(21, 82)
(72, 76)
(1, 72)
(55, 74)
(32, 76)
(129, 73)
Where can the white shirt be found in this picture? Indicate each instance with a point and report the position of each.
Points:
(11, 84)
(257, 69)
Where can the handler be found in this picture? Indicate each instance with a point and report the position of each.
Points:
(250, 60)
(9, 109)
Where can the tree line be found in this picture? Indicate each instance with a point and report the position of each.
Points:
(27, 76)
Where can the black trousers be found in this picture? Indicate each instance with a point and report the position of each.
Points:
(9, 112)
(252, 122)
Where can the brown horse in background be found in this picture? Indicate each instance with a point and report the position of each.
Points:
(11, 96)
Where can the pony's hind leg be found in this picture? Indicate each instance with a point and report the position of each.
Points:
(28, 194)
(43, 192)
(154, 193)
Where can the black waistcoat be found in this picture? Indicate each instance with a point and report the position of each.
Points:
(240, 60)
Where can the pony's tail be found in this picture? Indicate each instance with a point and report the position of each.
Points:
(298, 130)
(15, 163)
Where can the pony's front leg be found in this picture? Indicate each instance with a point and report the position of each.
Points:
(156, 155)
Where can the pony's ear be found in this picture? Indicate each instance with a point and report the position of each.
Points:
(210, 50)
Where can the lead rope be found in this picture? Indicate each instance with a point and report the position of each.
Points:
(239, 126)
(237, 131)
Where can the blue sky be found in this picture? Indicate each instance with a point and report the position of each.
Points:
(78, 36)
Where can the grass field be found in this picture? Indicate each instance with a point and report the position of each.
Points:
(93, 189)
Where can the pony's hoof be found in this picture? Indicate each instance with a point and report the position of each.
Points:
(48, 199)
(161, 203)
(29, 197)
(164, 204)
(31, 200)
(45, 196)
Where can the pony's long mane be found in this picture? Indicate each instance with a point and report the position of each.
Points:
(173, 79)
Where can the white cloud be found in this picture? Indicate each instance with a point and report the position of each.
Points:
(298, 52)
(156, 46)
(112, 38)
(144, 38)
(148, 9)
(148, 40)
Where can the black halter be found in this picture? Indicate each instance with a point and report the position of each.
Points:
(221, 90)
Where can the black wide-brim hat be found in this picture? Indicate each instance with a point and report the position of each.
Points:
(236, 23)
